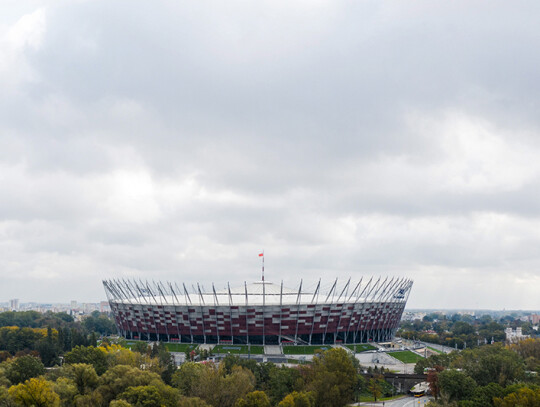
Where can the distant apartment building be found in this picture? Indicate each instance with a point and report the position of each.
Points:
(534, 319)
(14, 304)
(104, 306)
(411, 316)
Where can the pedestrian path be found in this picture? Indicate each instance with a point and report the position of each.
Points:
(272, 350)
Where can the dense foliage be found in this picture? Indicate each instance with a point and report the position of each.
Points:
(49, 335)
(491, 375)
(461, 331)
(111, 375)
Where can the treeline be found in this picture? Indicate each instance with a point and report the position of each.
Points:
(95, 322)
(461, 331)
(34, 319)
(114, 376)
(48, 335)
(492, 375)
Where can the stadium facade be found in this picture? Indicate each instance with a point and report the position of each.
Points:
(260, 312)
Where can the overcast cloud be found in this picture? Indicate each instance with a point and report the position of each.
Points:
(175, 140)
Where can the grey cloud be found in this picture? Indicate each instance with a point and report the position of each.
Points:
(175, 140)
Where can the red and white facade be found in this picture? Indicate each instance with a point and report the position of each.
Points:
(260, 312)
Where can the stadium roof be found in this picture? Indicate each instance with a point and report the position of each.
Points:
(256, 293)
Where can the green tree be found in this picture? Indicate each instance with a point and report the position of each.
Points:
(89, 400)
(24, 368)
(101, 323)
(524, 397)
(484, 395)
(141, 347)
(218, 389)
(36, 392)
(192, 402)
(456, 385)
(48, 352)
(491, 364)
(527, 348)
(236, 385)
(88, 355)
(120, 403)
(443, 360)
(375, 388)
(298, 399)
(166, 362)
(433, 381)
(333, 378)
(143, 396)
(66, 390)
(186, 376)
(118, 378)
(84, 376)
(281, 381)
(256, 398)
(5, 399)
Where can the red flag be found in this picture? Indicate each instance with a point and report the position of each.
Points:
(261, 254)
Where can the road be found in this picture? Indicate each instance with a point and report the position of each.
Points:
(408, 402)
(403, 402)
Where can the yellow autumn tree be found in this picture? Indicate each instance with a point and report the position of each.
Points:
(36, 392)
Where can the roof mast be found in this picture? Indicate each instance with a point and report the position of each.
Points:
(262, 255)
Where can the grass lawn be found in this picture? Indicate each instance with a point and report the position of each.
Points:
(171, 347)
(238, 349)
(179, 347)
(435, 350)
(406, 356)
(303, 349)
(363, 347)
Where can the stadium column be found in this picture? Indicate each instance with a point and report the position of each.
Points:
(385, 310)
(201, 303)
(175, 310)
(138, 321)
(372, 307)
(316, 298)
(362, 308)
(382, 313)
(247, 314)
(329, 309)
(377, 307)
(163, 302)
(352, 308)
(230, 312)
(150, 310)
(298, 312)
(264, 313)
(216, 307)
(346, 291)
(280, 311)
(188, 304)
(389, 308)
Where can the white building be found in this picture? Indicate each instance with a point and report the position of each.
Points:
(514, 336)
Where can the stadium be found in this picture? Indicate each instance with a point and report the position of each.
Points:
(260, 313)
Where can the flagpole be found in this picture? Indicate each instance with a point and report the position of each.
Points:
(262, 255)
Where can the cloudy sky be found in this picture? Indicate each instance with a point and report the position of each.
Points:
(175, 140)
